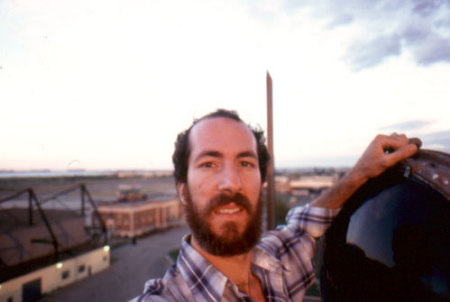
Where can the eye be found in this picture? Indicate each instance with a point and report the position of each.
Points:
(208, 164)
(247, 164)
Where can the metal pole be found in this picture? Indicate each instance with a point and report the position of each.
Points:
(30, 208)
(270, 168)
(82, 199)
(46, 222)
(96, 213)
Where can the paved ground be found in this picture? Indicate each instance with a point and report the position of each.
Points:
(131, 266)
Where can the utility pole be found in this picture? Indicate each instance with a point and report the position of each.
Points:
(271, 166)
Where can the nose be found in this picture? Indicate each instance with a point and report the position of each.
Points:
(230, 180)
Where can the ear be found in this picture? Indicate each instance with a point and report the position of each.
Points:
(181, 188)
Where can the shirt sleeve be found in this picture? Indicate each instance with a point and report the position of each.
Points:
(306, 221)
(313, 220)
(294, 245)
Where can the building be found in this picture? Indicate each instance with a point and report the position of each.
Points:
(31, 286)
(311, 184)
(42, 249)
(135, 218)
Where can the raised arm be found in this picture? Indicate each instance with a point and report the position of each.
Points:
(382, 153)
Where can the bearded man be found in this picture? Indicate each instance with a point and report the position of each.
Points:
(220, 168)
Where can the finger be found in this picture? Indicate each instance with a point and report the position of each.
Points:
(393, 142)
(399, 138)
(416, 141)
(395, 134)
(401, 154)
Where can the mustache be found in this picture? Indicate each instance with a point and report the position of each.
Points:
(222, 199)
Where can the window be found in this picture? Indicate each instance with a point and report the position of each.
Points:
(81, 268)
(65, 274)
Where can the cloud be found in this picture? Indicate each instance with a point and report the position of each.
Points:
(343, 19)
(420, 28)
(434, 49)
(426, 7)
(364, 54)
(437, 141)
(407, 126)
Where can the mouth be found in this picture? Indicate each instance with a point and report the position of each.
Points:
(229, 209)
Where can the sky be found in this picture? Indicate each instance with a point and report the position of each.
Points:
(105, 84)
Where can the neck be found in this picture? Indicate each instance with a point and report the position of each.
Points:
(236, 268)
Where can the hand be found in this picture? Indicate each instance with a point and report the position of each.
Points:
(384, 152)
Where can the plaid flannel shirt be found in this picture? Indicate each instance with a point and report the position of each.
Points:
(282, 260)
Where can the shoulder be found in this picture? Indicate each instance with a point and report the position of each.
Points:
(151, 298)
(171, 287)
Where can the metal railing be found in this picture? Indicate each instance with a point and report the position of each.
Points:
(34, 202)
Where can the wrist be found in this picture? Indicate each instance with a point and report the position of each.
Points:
(354, 178)
(337, 195)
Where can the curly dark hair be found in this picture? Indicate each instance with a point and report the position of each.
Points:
(181, 154)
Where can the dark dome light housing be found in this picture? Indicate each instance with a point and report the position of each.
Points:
(391, 241)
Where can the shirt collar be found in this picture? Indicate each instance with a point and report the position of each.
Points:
(205, 281)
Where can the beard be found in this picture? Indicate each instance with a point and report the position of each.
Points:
(231, 243)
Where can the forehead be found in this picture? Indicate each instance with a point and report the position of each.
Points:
(222, 135)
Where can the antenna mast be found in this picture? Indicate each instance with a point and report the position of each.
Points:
(271, 166)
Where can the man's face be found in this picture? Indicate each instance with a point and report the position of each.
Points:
(223, 185)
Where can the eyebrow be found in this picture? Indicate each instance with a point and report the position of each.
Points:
(247, 154)
(218, 154)
(209, 154)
